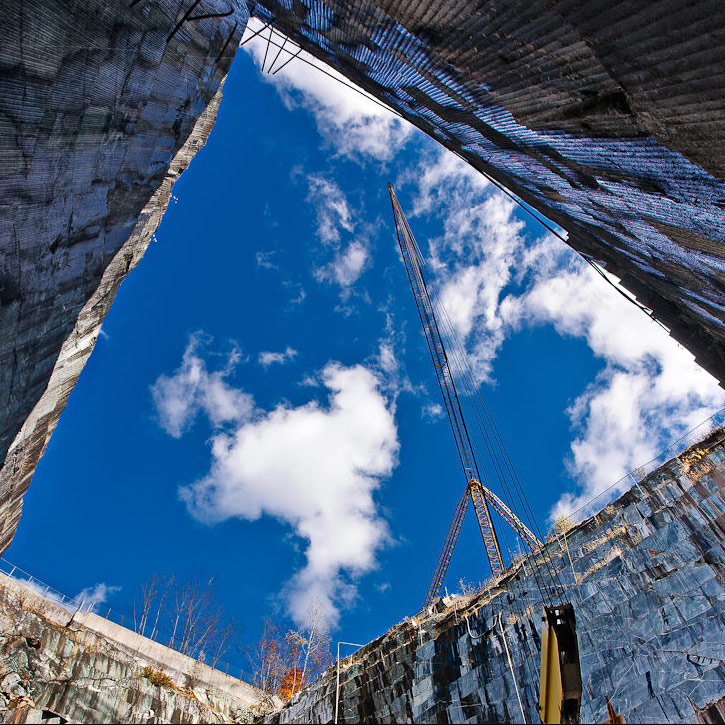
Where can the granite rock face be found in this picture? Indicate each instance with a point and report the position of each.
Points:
(103, 106)
(609, 118)
(646, 577)
(83, 668)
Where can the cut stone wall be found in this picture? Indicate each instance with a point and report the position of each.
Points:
(646, 577)
(607, 117)
(100, 111)
(84, 668)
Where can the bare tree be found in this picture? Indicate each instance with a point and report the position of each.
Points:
(265, 656)
(148, 594)
(224, 636)
(277, 659)
(316, 639)
(160, 607)
(198, 627)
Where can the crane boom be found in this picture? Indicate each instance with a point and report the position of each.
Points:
(508, 516)
(445, 380)
(479, 494)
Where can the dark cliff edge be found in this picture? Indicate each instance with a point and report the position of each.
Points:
(101, 109)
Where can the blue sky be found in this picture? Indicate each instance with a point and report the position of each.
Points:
(261, 407)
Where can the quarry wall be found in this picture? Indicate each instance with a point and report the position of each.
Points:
(83, 668)
(102, 106)
(606, 117)
(646, 577)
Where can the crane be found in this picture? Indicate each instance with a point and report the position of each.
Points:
(482, 498)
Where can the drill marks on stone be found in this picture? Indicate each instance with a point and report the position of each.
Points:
(650, 607)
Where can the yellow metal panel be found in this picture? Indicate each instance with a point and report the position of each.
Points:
(551, 693)
(561, 684)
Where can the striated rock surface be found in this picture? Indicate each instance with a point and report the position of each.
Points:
(646, 577)
(607, 117)
(56, 663)
(102, 106)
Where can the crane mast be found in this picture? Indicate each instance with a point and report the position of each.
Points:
(475, 490)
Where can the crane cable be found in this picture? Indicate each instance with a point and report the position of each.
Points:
(497, 442)
(473, 390)
(465, 369)
(531, 211)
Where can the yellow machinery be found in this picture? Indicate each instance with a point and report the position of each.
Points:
(561, 682)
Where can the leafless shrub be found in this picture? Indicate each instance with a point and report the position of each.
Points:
(156, 677)
(187, 615)
(284, 662)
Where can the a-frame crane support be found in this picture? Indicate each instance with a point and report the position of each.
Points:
(478, 493)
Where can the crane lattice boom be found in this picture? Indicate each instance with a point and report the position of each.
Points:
(479, 494)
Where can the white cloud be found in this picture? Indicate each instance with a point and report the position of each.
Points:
(441, 177)
(277, 358)
(475, 258)
(387, 360)
(346, 267)
(316, 468)
(353, 124)
(264, 260)
(333, 216)
(192, 389)
(432, 411)
(494, 280)
(650, 393)
(331, 208)
(96, 595)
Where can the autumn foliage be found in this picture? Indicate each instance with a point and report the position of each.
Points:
(286, 661)
(290, 684)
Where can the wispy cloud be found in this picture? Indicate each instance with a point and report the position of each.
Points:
(192, 389)
(315, 467)
(495, 279)
(334, 218)
(331, 208)
(93, 597)
(266, 260)
(475, 257)
(277, 358)
(345, 268)
(432, 411)
(353, 124)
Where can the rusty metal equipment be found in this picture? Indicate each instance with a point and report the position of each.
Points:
(561, 683)
(481, 497)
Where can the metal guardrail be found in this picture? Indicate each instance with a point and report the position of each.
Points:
(72, 604)
(691, 438)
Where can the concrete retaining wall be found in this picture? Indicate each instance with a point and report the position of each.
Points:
(88, 669)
